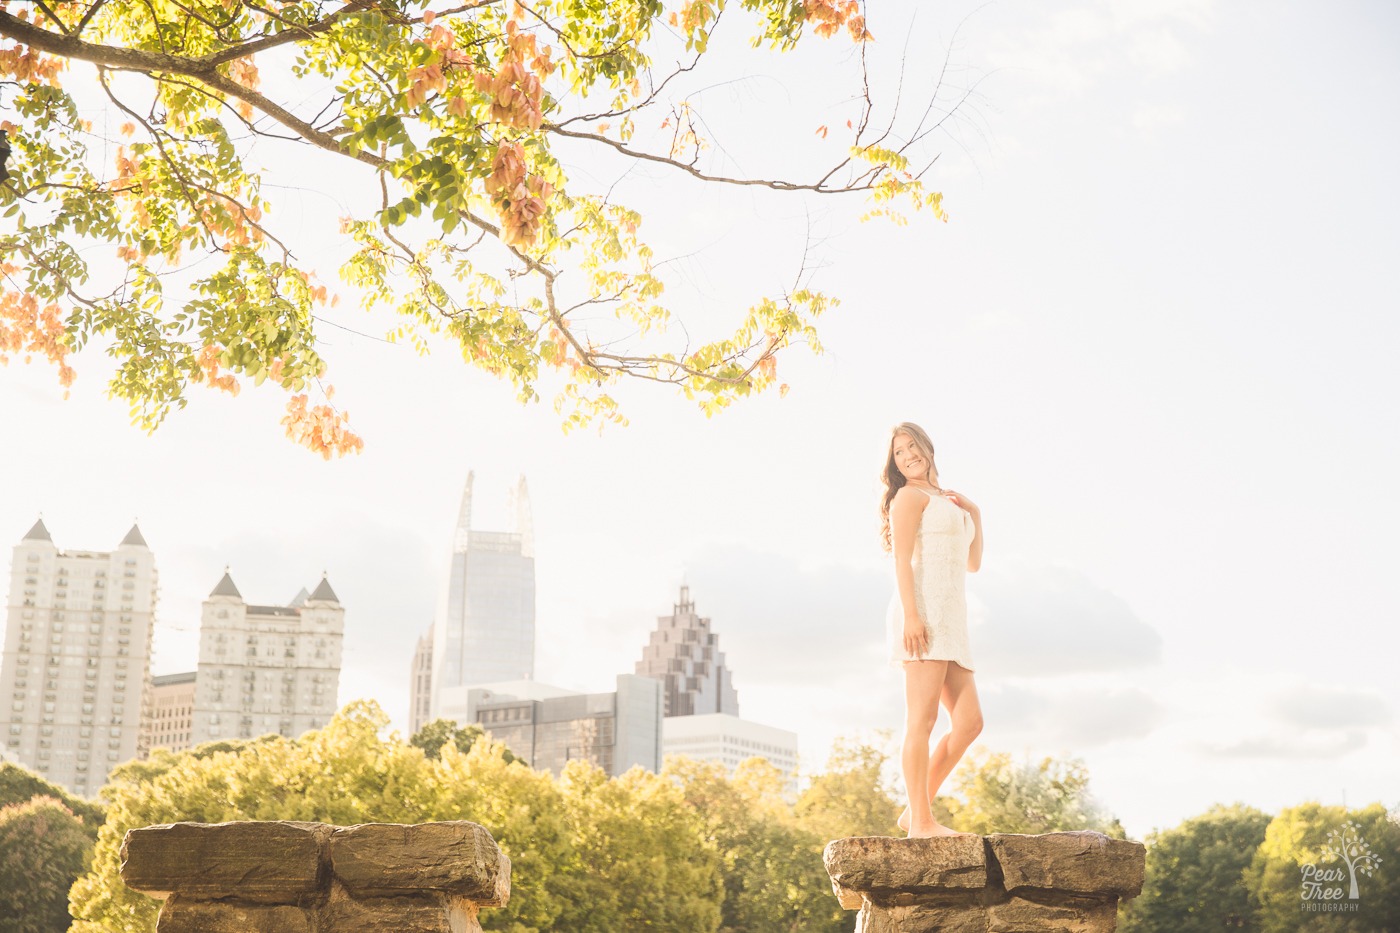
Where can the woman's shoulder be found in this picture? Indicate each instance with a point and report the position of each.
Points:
(909, 497)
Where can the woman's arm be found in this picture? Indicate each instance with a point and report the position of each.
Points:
(906, 512)
(974, 550)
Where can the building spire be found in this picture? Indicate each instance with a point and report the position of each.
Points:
(225, 586)
(324, 592)
(463, 534)
(684, 655)
(524, 519)
(39, 532)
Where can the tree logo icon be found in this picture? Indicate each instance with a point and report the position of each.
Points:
(1322, 886)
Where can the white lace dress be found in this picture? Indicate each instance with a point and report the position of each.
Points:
(940, 570)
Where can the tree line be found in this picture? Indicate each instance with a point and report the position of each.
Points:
(688, 849)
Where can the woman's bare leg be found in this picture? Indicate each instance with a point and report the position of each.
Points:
(965, 711)
(923, 683)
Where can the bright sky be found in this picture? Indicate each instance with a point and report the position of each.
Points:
(1155, 344)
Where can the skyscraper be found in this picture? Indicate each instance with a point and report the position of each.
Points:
(485, 631)
(420, 683)
(77, 656)
(266, 668)
(684, 655)
(702, 707)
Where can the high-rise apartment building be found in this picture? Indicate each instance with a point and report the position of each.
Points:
(485, 630)
(267, 668)
(76, 656)
(167, 721)
(684, 655)
(420, 683)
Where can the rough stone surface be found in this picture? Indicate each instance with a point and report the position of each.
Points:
(1019, 915)
(272, 862)
(387, 859)
(435, 913)
(883, 864)
(284, 877)
(1060, 882)
(1080, 862)
(182, 914)
(920, 918)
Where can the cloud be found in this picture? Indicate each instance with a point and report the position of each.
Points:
(1073, 719)
(779, 622)
(1150, 119)
(1070, 50)
(1292, 746)
(1315, 707)
(1052, 621)
(786, 623)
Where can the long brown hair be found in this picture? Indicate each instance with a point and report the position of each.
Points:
(894, 480)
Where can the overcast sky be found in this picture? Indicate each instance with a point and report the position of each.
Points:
(1155, 343)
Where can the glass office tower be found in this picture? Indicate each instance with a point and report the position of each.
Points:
(486, 627)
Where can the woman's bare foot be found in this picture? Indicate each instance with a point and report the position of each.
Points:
(934, 828)
(903, 823)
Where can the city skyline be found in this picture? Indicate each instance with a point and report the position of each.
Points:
(702, 686)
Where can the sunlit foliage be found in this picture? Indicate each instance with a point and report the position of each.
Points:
(453, 114)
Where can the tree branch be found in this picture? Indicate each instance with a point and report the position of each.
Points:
(291, 34)
(775, 184)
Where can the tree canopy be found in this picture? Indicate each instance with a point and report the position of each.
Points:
(42, 850)
(20, 786)
(434, 735)
(998, 795)
(1302, 838)
(1195, 874)
(472, 230)
(690, 849)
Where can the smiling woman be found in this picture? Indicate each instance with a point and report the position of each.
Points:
(936, 537)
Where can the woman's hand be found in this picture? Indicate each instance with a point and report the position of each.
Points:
(915, 636)
(963, 502)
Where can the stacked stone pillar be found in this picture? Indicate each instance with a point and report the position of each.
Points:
(292, 877)
(1003, 883)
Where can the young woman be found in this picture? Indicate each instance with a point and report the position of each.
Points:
(936, 537)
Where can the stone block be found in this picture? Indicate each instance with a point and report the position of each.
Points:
(921, 918)
(879, 866)
(1019, 915)
(391, 859)
(1005, 883)
(262, 862)
(182, 914)
(432, 913)
(1076, 862)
